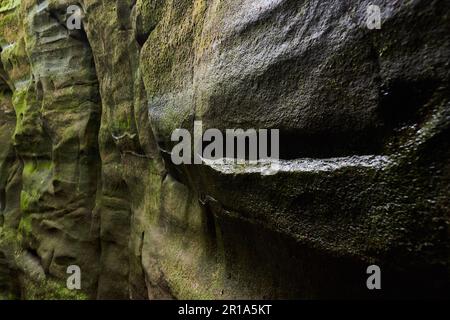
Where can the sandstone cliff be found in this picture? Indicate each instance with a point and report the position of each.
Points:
(86, 118)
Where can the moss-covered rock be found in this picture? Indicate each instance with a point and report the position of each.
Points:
(86, 118)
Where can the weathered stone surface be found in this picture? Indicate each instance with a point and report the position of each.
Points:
(337, 91)
(86, 118)
(55, 97)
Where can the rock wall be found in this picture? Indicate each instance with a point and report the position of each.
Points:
(86, 118)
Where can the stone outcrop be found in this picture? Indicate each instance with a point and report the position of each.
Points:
(86, 118)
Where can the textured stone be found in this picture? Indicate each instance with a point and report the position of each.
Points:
(86, 118)
(338, 92)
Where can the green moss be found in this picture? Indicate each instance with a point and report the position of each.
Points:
(8, 296)
(6, 5)
(123, 125)
(36, 167)
(180, 277)
(8, 28)
(25, 226)
(51, 290)
(8, 237)
(33, 289)
(36, 178)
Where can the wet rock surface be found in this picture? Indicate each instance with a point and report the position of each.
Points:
(86, 118)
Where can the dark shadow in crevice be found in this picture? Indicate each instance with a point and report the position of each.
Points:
(402, 102)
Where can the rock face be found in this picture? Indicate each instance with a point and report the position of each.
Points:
(86, 118)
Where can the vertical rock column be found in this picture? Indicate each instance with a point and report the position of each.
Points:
(131, 165)
(56, 101)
